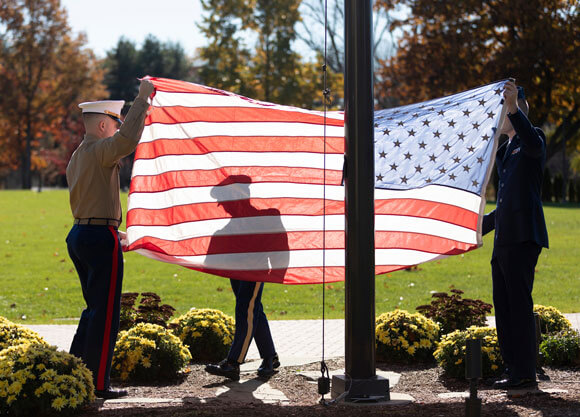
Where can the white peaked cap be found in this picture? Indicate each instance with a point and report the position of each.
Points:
(109, 107)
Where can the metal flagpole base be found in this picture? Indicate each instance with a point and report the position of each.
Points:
(375, 388)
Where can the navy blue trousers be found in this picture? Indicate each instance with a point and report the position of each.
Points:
(512, 268)
(251, 322)
(98, 258)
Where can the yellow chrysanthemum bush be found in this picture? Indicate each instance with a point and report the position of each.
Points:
(36, 379)
(148, 352)
(562, 348)
(12, 334)
(207, 332)
(405, 337)
(551, 319)
(450, 353)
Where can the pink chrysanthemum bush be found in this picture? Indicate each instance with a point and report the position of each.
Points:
(402, 337)
(450, 353)
(207, 332)
(36, 379)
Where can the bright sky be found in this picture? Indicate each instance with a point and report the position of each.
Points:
(105, 21)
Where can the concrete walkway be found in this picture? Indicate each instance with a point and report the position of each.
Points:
(297, 342)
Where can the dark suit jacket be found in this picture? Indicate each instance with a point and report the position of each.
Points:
(519, 216)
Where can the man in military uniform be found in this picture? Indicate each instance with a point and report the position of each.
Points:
(233, 194)
(93, 242)
(520, 235)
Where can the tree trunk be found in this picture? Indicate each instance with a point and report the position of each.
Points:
(26, 157)
(26, 179)
(565, 171)
(40, 180)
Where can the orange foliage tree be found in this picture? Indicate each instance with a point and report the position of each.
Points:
(44, 72)
(448, 46)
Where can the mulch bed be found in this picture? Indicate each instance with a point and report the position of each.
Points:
(422, 382)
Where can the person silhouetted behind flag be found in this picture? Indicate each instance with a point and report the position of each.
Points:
(233, 194)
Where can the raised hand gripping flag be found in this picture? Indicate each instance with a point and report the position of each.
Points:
(238, 188)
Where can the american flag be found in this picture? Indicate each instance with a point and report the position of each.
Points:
(245, 189)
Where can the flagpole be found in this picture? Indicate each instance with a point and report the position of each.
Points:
(360, 381)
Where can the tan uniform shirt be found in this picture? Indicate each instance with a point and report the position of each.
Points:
(93, 170)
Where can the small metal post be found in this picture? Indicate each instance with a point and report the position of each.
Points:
(542, 376)
(473, 373)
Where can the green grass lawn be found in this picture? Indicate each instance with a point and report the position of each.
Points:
(39, 284)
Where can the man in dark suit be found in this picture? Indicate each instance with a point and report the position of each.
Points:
(520, 235)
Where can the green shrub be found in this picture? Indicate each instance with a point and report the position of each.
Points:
(551, 320)
(562, 348)
(450, 353)
(207, 332)
(149, 310)
(404, 337)
(148, 352)
(39, 380)
(12, 334)
(455, 313)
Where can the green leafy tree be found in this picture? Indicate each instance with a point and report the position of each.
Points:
(125, 64)
(121, 70)
(449, 46)
(226, 57)
(275, 65)
(267, 68)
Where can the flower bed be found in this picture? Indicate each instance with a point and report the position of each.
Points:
(208, 333)
(12, 334)
(38, 379)
(562, 348)
(148, 352)
(551, 320)
(404, 337)
(450, 353)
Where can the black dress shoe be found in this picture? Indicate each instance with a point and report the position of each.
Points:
(110, 393)
(269, 366)
(516, 383)
(505, 374)
(225, 368)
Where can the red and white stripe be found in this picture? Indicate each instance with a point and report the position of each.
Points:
(198, 136)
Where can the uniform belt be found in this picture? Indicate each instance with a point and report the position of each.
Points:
(98, 222)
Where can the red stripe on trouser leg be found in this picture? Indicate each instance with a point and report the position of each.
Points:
(109, 316)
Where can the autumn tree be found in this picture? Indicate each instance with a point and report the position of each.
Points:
(448, 46)
(44, 72)
(251, 52)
